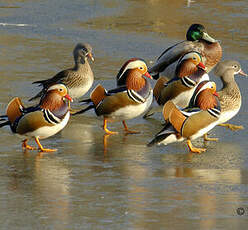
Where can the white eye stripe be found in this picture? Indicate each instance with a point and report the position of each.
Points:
(59, 87)
(133, 65)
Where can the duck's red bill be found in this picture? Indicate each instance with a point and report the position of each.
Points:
(148, 75)
(68, 97)
(201, 65)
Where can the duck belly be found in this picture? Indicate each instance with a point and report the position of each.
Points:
(78, 91)
(227, 115)
(202, 131)
(131, 111)
(47, 131)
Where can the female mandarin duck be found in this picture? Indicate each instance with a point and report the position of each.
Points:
(194, 121)
(126, 102)
(197, 40)
(189, 72)
(229, 95)
(78, 79)
(39, 122)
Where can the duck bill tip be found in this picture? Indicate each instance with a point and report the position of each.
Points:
(148, 75)
(208, 38)
(201, 65)
(216, 94)
(68, 98)
(90, 55)
(241, 72)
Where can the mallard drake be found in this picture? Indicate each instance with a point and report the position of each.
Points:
(42, 121)
(189, 72)
(197, 40)
(125, 102)
(78, 79)
(198, 118)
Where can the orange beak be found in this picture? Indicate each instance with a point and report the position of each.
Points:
(148, 75)
(201, 65)
(90, 55)
(241, 72)
(68, 98)
(216, 94)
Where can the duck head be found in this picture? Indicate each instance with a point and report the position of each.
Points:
(198, 32)
(81, 52)
(205, 95)
(55, 97)
(227, 69)
(131, 74)
(189, 64)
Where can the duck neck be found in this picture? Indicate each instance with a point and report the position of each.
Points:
(54, 103)
(206, 100)
(80, 63)
(186, 68)
(228, 80)
(135, 81)
(212, 53)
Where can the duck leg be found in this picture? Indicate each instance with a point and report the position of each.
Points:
(26, 146)
(41, 147)
(232, 127)
(206, 138)
(106, 129)
(194, 149)
(127, 130)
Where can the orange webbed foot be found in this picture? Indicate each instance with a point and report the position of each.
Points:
(25, 145)
(194, 149)
(127, 131)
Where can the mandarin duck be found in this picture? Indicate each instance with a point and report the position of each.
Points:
(198, 118)
(125, 102)
(229, 95)
(189, 72)
(77, 79)
(42, 121)
(197, 40)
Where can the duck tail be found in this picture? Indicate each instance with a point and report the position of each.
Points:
(86, 101)
(3, 117)
(38, 95)
(91, 106)
(40, 82)
(4, 123)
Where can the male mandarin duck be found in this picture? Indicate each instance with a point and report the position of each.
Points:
(77, 79)
(128, 66)
(197, 40)
(229, 95)
(189, 72)
(42, 121)
(198, 118)
(125, 102)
